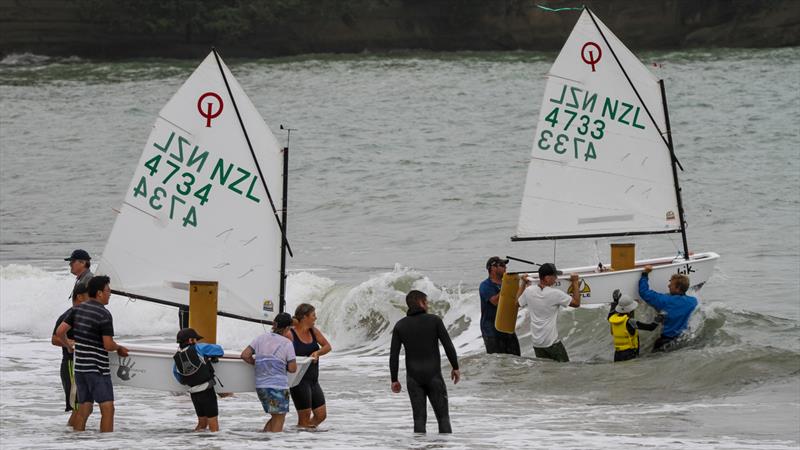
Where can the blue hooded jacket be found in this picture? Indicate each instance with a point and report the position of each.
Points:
(678, 308)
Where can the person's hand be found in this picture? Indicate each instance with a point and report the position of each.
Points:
(616, 295)
(396, 387)
(455, 375)
(315, 356)
(573, 277)
(648, 268)
(122, 351)
(659, 318)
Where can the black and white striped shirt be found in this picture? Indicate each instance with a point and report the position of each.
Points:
(90, 321)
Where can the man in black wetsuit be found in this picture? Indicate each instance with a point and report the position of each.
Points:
(420, 333)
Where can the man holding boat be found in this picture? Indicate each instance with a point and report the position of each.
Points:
(489, 290)
(544, 302)
(676, 306)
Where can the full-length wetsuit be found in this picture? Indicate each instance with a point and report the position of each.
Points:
(420, 334)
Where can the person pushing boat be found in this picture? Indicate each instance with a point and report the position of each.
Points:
(676, 306)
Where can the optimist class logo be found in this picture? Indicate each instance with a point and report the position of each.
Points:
(588, 56)
(209, 112)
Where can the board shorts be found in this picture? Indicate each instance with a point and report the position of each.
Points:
(205, 403)
(93, 387)
(274, 401)
(307, 394)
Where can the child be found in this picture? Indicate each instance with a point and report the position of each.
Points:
(273, 356)
(193, 368)
(625, 329)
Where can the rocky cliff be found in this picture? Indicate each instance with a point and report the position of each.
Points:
(262, 28)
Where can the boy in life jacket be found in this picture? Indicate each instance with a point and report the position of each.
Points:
(625, 329)
(193, 368)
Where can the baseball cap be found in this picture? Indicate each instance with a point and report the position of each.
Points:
(79, 254)
(548, 269)
(283, 320)
(494, 260)
(186, 334)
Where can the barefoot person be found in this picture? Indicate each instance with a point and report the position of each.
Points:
(420, 333)
(193, 367)
(273, 355)
(94, 338)
(308, 398)
(80, 293)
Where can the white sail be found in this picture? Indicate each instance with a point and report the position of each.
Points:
(197, 208)
(600, 165)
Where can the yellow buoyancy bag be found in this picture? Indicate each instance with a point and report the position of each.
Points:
(619, 330)
(506, 319)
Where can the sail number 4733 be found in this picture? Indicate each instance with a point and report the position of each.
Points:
(584, 126)
(560, 145)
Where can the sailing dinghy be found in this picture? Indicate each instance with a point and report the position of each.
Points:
(603, 164)
(200, 207)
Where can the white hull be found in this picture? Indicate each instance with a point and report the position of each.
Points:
(151, 368)
(597, 287)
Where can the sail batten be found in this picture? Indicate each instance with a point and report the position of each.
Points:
(197, 207)
(599, 154)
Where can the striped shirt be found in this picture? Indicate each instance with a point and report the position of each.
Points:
(91, 321)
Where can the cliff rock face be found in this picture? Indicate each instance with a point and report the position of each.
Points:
(260, 28)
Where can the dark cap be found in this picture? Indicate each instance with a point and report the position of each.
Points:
(283, 320)
(494, 260)
(548, 269)
(79, 254)
(186, 334)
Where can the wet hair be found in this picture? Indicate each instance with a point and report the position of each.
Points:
(414, 298)
(681, 282)
(302, 310)
(97, 284)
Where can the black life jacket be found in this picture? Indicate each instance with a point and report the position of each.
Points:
(194, 369)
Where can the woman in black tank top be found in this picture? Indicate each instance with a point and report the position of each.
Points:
(307, 396)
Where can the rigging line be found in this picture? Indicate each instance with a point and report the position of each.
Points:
(252, 152)
(587, 169)
(630, 82)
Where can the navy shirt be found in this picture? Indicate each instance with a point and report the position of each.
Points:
(65, 354)
(90, 321)
(487, 290)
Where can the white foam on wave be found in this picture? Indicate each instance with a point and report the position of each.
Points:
(358, 318)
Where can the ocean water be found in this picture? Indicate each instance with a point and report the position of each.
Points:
(406, 172)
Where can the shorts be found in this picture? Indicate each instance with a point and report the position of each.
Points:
(93, 387)
(274, 401)
(307, 394)
(556, 352)
(205, 403)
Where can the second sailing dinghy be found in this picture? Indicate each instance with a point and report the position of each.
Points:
(603, 164)
(201, 206)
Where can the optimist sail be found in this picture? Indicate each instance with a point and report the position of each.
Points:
(197, 206)
(601, 164)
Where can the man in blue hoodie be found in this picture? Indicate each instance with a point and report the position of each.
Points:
(676, 306)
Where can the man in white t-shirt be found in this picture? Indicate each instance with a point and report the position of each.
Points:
(543, 302)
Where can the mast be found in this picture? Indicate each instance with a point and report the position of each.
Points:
(674, 160)
(284, 216)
